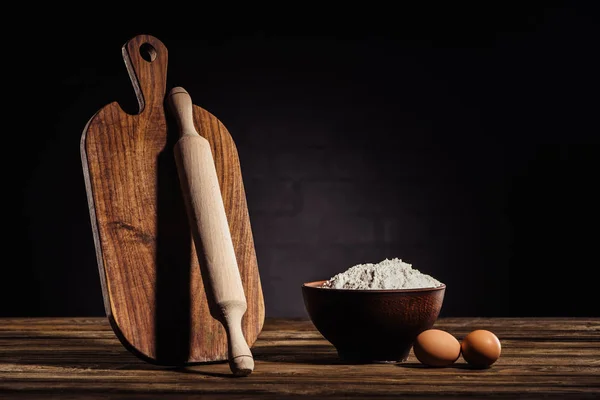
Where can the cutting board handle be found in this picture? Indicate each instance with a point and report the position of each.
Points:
(146, 56)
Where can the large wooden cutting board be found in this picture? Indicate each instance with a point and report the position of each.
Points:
(151, 282)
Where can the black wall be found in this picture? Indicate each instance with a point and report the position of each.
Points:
(463, 142)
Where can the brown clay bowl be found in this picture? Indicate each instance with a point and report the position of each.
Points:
(372, 325)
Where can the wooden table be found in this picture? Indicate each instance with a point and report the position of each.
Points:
(81, 358)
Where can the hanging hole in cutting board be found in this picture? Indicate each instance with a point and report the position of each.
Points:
(148, 52)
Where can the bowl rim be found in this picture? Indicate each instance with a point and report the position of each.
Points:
(314, 285)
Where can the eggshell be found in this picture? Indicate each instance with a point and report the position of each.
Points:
(481, 348)
(436, 348)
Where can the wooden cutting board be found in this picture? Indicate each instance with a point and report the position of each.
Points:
(153, 292)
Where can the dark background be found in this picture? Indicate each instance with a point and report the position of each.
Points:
(464, 141)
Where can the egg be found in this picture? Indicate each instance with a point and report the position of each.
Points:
(436, 348)
(481, 348)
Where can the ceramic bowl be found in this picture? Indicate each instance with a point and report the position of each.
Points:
(372, 325)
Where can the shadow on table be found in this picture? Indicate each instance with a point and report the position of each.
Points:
(86, 364)
(299, 354)
(92, 355)
(416, 365)
(198, 370)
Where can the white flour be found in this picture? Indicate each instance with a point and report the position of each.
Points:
(388, 274)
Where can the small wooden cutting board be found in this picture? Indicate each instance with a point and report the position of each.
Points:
(153, 291)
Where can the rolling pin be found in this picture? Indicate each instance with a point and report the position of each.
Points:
(210, 231)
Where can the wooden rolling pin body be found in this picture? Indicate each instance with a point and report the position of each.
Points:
(210, 231)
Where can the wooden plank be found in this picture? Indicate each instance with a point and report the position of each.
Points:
(73, 357)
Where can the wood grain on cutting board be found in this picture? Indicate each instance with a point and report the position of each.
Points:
(151, 282)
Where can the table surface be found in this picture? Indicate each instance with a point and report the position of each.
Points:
(81, 358)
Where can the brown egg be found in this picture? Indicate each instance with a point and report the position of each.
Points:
(436, 348)
(480, 348)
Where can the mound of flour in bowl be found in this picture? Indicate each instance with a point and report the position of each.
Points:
(388, 274)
